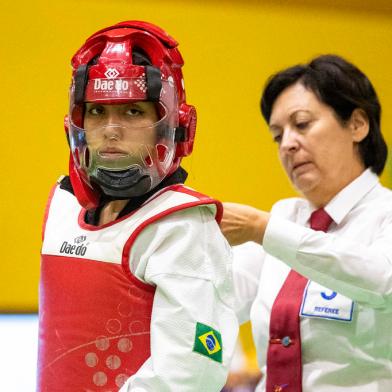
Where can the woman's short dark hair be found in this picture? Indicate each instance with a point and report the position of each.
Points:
(342, 86)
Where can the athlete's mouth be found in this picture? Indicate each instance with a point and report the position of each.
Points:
(112, 153)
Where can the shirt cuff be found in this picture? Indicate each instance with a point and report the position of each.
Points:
(282, 239)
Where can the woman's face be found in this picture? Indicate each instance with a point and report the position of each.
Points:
(119, 129)
(319, 153)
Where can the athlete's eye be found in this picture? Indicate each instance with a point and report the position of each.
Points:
(95, 110)
(134, 112)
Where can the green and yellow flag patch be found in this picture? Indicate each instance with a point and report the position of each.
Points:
(208, 342)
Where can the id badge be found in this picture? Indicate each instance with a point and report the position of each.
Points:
(321, 302)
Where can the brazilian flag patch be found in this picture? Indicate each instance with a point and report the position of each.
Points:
(208, 342)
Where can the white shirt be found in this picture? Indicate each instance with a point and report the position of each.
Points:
(189, 262)
(353, 259)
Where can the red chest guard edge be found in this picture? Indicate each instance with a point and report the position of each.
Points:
(94, 327)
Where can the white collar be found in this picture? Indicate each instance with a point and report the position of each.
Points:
(350, 195)
(345, 200)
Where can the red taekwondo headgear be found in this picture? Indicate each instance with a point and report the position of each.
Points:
(129, 62)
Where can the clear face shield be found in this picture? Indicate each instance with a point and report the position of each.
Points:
(123, 142)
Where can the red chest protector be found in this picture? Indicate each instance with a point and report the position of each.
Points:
(94, 325)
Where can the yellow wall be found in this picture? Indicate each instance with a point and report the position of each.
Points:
(229, 47)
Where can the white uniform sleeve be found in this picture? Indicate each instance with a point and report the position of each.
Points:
(188, 260)
(362, 273)
(248, 261)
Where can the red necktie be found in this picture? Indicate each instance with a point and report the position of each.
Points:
(284, 363)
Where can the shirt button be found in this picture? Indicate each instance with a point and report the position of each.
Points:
(286, 341)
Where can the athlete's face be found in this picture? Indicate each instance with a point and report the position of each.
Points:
(119, 129)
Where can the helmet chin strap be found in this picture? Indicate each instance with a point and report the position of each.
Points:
(122, 184)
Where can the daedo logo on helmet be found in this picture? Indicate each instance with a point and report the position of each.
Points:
(111, 73)
(77, 249)
(111, 85)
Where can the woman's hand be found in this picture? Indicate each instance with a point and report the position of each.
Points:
(242, 223)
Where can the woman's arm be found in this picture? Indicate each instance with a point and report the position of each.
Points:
(242, 223)
(362, 272)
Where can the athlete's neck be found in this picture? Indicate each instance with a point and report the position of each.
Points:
(110, 211)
